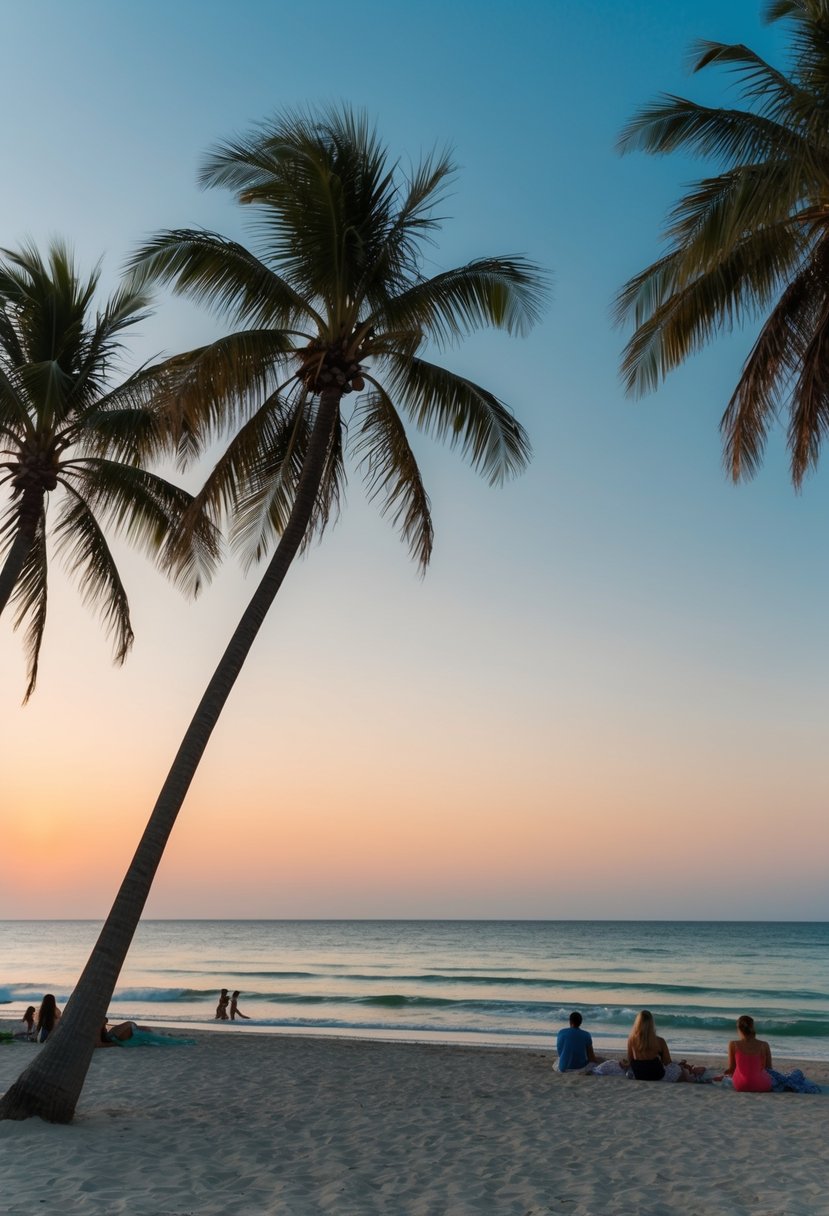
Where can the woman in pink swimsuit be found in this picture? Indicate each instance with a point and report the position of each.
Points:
(748, 1059)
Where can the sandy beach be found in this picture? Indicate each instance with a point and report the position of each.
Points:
(267, 1124)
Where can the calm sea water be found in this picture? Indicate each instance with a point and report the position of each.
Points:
(506, 982)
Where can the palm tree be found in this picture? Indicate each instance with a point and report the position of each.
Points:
(751, 242)
(64, 429)
(335, 303)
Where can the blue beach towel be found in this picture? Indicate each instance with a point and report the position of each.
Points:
(792, 1082)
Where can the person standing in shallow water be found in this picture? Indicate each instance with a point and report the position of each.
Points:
(235, 1011)
(221, 1008)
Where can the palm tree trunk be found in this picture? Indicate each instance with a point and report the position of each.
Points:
(29, 512)
(51, 1085)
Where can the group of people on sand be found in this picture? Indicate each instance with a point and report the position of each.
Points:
(648, 1057)
(36, 1025)
(233, 1002)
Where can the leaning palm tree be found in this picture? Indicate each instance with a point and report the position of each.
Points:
(66, 431)
(332, 308)
(749, 243)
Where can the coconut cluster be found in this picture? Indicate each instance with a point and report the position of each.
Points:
(331, 366)
(36, 469)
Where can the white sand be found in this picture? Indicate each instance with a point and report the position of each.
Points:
(254, 1125)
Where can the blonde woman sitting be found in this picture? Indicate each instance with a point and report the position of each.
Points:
(650, 1059)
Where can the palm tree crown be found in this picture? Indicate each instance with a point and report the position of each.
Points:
(63, 428)
(333, 301)
(750, 242)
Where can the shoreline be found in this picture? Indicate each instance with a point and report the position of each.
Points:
(291, 1124)
(612, 1047)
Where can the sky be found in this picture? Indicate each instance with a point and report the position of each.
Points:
(609, 696)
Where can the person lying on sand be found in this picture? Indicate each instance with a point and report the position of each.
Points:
(114, 1036)
(130, 1034)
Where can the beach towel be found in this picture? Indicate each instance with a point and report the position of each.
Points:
(148, 1038)
(792, 1082)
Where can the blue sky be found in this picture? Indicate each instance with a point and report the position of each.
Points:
(617, 657)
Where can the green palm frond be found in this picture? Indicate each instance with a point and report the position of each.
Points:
(264, 500)
(778, 96)
(222, 275)
(14, 414)
(718, 213)
(129, 423)
(49, 302)
(30, 601)
(210, 391)
(391, 472)
(784, 361)
(326, 199)
(256, 478)
(747, 242)
(452, 407)
(673, 124)
(144, 508)
(399, 250)
(103, 348)
(755, 402)
(505, 292)
(677, 314)
(80, 540)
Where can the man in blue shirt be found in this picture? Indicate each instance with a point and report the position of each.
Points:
(574, 1046)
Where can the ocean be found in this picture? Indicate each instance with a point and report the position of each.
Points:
(510, 983)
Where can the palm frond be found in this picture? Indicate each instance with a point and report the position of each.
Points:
(148, 511)
(391, 472)
(809, 412)
(718, 212)
(212, 390)
(222, 275)
(733, 137)
(778, 96)
(395, 265)
(103, 347)
(326, 197)
(505, 292)
(30, 601)
(677, 311)
(451, 407)
(79, 539)
(15, 418)
(256, 478)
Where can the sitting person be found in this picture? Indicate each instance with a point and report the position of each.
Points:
(575, 1046)
(48, 1017)
(749, 1058)
(649, 1057)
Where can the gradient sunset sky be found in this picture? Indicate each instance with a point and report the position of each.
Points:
(609, 696)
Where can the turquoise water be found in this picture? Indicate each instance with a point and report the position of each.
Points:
(505, 982)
